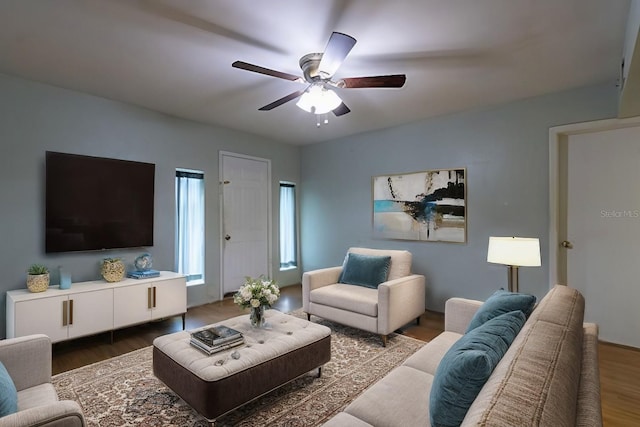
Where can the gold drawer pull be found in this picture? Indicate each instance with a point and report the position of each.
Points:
(64, 313)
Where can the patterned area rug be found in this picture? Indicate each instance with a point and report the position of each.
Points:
(123, 391)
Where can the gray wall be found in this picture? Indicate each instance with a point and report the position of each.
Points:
(505, 152)
(35, 118)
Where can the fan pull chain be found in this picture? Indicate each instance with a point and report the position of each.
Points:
(325, 119)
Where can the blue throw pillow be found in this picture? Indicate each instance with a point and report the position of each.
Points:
(365, 270)
(502, 302)
(8, 393)
(467, 365)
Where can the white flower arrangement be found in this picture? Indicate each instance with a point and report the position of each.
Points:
(257, 292)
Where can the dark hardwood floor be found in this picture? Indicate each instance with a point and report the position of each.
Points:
(619, 366)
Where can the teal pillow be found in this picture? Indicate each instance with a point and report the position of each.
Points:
(502, 302)
(8, 393)
(467, 365)
(365, 270)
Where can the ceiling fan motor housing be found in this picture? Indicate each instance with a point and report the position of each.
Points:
(309, 65)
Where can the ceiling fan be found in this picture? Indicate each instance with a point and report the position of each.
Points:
(318, 70)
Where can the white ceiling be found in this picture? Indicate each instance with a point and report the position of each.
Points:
(174, 56)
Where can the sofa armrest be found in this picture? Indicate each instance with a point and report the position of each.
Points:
(399, 301)
(316, 279)
(65, 413)
(589, 409)
(458, 313)
(27, 359)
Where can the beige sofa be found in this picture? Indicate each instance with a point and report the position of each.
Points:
(548, 376)
(396, 302)
(28, 362)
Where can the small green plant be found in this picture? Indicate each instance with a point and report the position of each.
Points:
(111, 260)
(36, 269)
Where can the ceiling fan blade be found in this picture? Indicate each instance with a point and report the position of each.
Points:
(337, 49)
(394, 80)
(267, 71)
(282, 100)
(341, 110)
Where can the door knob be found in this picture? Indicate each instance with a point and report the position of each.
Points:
(227, 237)
(566, 244)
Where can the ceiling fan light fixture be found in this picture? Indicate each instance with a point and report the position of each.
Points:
(319, 100)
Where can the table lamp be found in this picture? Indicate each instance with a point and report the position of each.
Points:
(514, 252)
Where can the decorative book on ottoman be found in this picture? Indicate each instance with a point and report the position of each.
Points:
(216, 338)
(217, 348)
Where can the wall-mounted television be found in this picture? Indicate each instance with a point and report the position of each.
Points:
(95, 203)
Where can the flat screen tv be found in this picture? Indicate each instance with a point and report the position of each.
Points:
(94, 203)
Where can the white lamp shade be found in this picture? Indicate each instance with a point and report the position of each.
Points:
(319, 100)
(518, 251)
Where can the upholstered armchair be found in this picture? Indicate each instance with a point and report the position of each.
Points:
(28, 362)
(381, 308)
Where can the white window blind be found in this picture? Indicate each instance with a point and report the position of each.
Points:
(288, 249)
(190, 225)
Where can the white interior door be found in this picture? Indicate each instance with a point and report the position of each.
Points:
(246, 219)
(598, 212)
(603, 224)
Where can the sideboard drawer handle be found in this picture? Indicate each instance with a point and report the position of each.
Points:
(64, 313)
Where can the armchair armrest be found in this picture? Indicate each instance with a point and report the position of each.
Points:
(65, 413)
(316, 279)
(27, 359)
(400, 301)
(458, 313)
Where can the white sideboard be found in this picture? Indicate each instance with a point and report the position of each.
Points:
(92, 307)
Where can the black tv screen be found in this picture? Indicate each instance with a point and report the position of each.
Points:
(94, 203)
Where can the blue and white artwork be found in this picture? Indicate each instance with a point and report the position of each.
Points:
(426, 206)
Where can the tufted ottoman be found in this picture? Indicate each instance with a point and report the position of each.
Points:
(271, 357)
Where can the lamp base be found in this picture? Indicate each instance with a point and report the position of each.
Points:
(513, 278)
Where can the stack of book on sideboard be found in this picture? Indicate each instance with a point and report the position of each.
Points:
(143, 274)
(214, 339)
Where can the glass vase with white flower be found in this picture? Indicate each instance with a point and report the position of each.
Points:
(257, 294)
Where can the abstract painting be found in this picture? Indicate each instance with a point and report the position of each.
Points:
(426, 206)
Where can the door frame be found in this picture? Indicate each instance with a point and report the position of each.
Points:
(558, 158)
(221, 155)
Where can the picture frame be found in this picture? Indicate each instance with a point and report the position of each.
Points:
(429, 206)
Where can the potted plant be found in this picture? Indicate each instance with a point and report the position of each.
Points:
(37, 278)
(112, 269)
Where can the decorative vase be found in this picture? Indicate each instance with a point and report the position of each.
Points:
(112, 270)
(65, 278)
(257, 317)
(38, 282)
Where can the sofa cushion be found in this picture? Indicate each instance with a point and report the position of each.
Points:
(357, 299)
(467, 365)
(342, 419)
(400, 260)
(502, 302)
(8, 393)
(428, 357)
(400, 398)
(39, 395)
(365, 270)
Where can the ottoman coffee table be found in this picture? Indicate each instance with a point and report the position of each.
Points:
(269, 358)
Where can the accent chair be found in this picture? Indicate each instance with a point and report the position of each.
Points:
(339, 294)
(28, 362)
